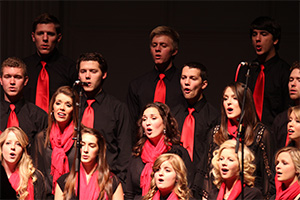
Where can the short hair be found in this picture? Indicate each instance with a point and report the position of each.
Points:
(295, 155)
(93, 56)
(295, 65)
(168, 31)
(249, 167)
(46, 18)
(181, 188)
(269, 24)
(200, 66)
(14, 62)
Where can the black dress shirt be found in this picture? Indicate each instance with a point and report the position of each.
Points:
(141, 90)
(62, 71)
(32, 119)
(276, 94)
(136, 166)
(112, 119)
(206, 117)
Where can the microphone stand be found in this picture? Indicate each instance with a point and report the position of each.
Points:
(78, 140)
(241, 131)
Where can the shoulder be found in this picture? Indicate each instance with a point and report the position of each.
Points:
(61, 181)
(34, 109)
(142, 78)
(253, 193)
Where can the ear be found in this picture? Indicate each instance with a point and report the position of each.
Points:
(204, 84)
(175, 52)
(275, 42)
(26, 80)
(104, 76)
(59, 37)
(32, 37)
(1, 80)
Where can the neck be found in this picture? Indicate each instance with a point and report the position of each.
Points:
(9, 168)
(89, 168)
(265, 57)
(297, 102)
(297, 143)
(234, 122)
(229, 185)
(12, 99)
(289, 183)
(164, 66)
(154, 141)
(94, 93)
(195, 100)
(62, 126)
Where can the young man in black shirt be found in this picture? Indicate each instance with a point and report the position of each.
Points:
(265, 34)
(164, 43)
(46, 34)
(111, 116)
(13, 79)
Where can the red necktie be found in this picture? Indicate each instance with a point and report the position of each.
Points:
(187, 134)
(258, 94)
(42, 89)
(160, 90)
(88, 115)
(12, 119)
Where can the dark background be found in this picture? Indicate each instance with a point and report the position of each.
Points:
(215, 33)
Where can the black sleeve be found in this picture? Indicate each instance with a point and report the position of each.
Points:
(39, 186)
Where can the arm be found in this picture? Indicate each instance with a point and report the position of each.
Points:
(58, 193)
(118, 195)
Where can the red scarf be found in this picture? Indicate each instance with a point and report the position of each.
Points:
(60, 143)
(91, 190)
(288, 194)
(232, 128)
(14, 180)
(149, 155)
(172, 196)
(235, 192)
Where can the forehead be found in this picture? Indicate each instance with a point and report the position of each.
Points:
(285, 156)
(50, 27)
(228, 91)
(13, 70)
(166, 163)
(190, 71)
(162, 39)
(89, 64)
(295, 72)
(151, 111)
(89, 138)
(260, 31)
(63, 97)
(11, 136)
(228, 151)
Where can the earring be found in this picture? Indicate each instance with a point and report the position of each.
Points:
(165, 131)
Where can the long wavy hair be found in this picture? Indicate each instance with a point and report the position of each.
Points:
(250, 118)
(66, 90)
(181, 186)
(172, 134)
(295, 155)
(25, 165)
(249, 166)
(104, 177)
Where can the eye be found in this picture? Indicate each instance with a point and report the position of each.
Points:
(19, 144)
(69, 105)
(57, 103)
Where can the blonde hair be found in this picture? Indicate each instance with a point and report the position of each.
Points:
(249, 167)
(181, 186)
(25, 166)
(295, 156)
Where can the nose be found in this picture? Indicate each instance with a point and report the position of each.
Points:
(187, 81)
(12, 81)
(257, 37)
(45, 36)
(85, 148)
(157, 48)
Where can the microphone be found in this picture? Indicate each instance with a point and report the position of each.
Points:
(249, 64)
(80, 83)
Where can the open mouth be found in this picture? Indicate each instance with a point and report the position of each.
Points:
(186, 90)
(61, 114)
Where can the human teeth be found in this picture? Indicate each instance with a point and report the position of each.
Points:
(61, 114)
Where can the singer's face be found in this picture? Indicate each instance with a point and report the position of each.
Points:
(293, 127)
(13, 82)
(192, 85)
(228, 165)
(285, 169)
(161, 49)
(90, 72)
(294, 84)
(231, 104)
(89, 149)
(263, 43)
(63, 109)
